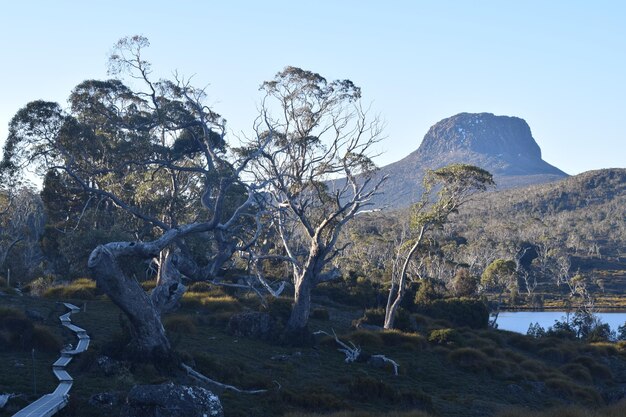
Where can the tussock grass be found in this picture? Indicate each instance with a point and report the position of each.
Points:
(79, 289)
(407, 340)
(469, 358)
(414, 413)
(615, 410)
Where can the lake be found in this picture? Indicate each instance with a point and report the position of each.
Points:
(518, 321)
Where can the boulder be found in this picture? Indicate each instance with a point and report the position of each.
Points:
(252, 324)
(170, 400)
(106, 399)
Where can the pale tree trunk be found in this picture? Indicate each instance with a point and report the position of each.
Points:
(301, 309)
(398, 287)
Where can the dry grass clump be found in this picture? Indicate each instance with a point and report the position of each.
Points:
(602, 349)
(79, 289)
(210, 303)
(408, 340)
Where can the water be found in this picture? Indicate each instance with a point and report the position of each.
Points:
(518, 321)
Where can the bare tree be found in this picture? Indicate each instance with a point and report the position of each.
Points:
(318, 132)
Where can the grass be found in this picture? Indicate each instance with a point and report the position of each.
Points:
(481, 373)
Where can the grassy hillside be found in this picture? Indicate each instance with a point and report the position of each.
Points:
(444, 370)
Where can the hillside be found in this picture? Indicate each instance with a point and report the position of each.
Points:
(502, 145)
(445, 370)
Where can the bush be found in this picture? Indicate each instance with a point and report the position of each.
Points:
(376, 317)
(458, 311)
(469, 358)
(320, 314)
(399, 338)
(179, 324)
(279, 308)
(38, 287)
(366, 338)
(444, 337)
(367, 388)
(43, 339)
(17, 329)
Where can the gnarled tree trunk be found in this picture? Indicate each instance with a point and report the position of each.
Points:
(148, 335)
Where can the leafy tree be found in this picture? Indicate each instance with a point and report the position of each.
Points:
(456, 184)
(316, 131)
(155, 157)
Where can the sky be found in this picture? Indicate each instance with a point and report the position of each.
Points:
(559, 64)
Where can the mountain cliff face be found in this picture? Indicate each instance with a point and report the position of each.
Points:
(500, 144)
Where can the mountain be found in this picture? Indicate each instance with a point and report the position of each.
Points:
(502, 145)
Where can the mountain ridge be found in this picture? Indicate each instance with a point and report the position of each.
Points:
(503, 145)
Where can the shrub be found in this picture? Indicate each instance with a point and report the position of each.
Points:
(469, 358)
(179, 324)
(371, 316)
(320, 314)
(376, 317)
(459, 311)
(399, 338)
(43, 339)
(444, 337)
(367, 388)
(16, 327)
(279, 308)
(597, 370)
(577, 372)
(366, 338)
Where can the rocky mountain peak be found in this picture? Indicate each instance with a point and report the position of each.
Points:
(483, 133)
(502, 145)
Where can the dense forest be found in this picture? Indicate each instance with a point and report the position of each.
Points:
(242, 267)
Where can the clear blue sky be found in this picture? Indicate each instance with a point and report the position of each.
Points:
(560, 65)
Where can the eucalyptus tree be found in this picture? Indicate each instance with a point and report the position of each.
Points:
(157, 153)
(21, 227)
(316, 132)
(456, 184)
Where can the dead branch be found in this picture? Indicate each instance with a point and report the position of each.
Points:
(218, 386)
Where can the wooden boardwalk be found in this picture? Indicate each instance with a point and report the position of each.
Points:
(50, 404)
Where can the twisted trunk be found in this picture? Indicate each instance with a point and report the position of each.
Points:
(148, 340)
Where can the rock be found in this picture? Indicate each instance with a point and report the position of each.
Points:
(169, 400)
(106, 399)
(109, 366)
(252, 324)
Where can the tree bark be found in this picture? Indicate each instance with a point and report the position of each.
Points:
(299, 318)
(393, 302)
(148, 340)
